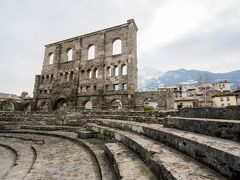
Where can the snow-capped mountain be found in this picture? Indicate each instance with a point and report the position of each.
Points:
(146, 76)
(150, 78)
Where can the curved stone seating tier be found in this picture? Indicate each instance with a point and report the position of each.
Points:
(220, 154)
(121, 145)
(25, 158)
(50, 128)
(166, 162)
(228, 129)
(58, 156)
(97, 146)
(126, 164)
(8, 158)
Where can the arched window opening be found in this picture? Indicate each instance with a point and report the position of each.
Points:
(88, 105)
(89, 74)
(96, 73)
(124, 70)
(51, 78)
(150, 104)
(69, 55)
(116, 87)
(80, 89)
(42, 79)
(61, 105)
(50, 56)
(47, 78)
(116, 104)
(82, 74)
(117, 47)
(116, 71)
(109, 73)
(107, 87)
(95, 87)
(71, 76)
(124, 86)
(91, 52)
(66, 76)
(61, 77)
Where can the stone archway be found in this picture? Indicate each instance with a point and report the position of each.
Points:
(61, 105)
(150, 104)
(8, 106)
(27, 107)
(116, 104)
(88, 104)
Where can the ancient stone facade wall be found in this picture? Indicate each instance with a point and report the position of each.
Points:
(79, 81)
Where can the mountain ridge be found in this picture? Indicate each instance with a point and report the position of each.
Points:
(184, 76)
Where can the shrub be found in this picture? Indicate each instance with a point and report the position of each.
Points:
(148, 108)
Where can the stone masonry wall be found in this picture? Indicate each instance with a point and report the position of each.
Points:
(230, 112)
(72, 83)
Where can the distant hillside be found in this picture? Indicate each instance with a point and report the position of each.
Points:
(183, 76)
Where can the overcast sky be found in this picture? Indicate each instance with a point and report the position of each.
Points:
(173, 34)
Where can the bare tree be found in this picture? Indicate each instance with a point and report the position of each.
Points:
(203, 78)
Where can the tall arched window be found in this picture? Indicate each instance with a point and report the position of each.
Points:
(109, 73)
(71, 76)
(96, 73)
(66, 76)
(91, 52)
(117, 47)
(42, 79)
(51, 78)
(116, 71)
(124, 70)
(47, 78)
(89, 74)
(50, 57)
(69, 55)
(61, 77)
(82, 74)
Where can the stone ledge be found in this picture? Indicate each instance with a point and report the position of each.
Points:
(227, 129)
(126, 164)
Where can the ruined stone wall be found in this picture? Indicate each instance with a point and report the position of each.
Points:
(80, 80)
(163, 99)
(230, 112)
(91, 72)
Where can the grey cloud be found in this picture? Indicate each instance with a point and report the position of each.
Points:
(215, 46)
(27, 25)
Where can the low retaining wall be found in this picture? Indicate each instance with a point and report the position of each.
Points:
(230, 112)
(18, 118)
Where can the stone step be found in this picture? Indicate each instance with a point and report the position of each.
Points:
(131, 118)
(126, 164)
(165, 162)
(97, 146)
(220, 154)
(86, 118)
(25, 157)
(85, 134)
(228, 129)
(50, 128)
